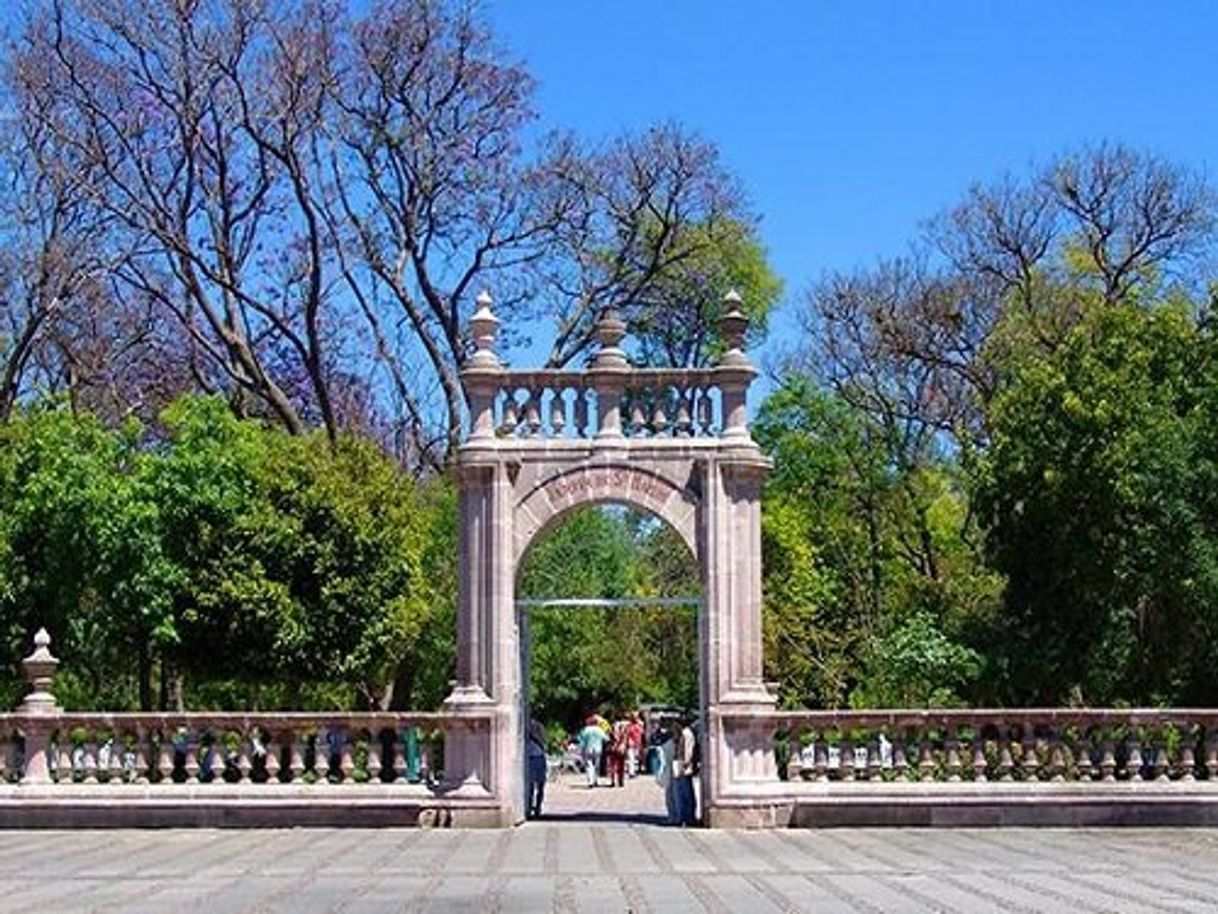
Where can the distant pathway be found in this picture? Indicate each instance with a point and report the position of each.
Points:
(570, 865)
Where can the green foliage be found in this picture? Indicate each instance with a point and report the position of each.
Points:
(863, 555)
(1099, 491)
(585, 658)
(226, 551)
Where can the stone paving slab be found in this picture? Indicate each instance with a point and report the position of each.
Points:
(569, 866)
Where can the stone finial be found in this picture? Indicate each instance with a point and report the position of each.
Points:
(733, 325)
(484, 325)
(39, 668)
(610, 331)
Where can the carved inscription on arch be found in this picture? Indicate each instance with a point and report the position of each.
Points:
(606, 482)
(554, 496)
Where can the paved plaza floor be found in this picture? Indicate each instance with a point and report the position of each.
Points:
(591, 856)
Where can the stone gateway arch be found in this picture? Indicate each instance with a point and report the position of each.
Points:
(671, 442)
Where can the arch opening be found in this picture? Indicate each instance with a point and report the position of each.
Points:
(608, 602)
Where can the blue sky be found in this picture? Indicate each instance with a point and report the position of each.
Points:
(849, 123)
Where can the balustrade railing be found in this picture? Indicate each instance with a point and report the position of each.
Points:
(654, 404)
(1018, 746)
(611, 398)
(206, 748)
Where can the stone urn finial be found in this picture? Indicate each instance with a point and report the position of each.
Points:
(733, 325)
(484, 325)
(610, 331)
(39, 668)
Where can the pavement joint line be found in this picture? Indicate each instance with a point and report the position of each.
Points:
(1039, 888)
(701, 846)
(423, 896)
(1193, 877)
(604, 856)
(1125, 894)
(1004, 902)
(898, 882)
(711, 903)
(662, 860)
(498, 854)
(491, 900)
(564, 895)
(776, 896)
(632, 891)
(882, 858)
(856, 902)
(1182, 891)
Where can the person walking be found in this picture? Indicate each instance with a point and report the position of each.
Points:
(535, 759)
(685, 769)
(615, 754)
(591, 744)
(634, 744)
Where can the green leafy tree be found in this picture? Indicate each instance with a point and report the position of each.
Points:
(1098, 491)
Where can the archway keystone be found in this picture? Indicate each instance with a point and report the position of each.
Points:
(671, 442)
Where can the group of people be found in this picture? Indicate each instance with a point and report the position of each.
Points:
(622, 748)
(617, 746)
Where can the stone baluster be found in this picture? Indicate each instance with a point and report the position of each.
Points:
(926, 759)
(979, 761)
(399, 760)
(638, 422)
(684, 424)
(511, 416)
(1186, 768)
(532, 412)
(1057, 759)
(216, 758)
(346, 760)
(845, 760)
(1006, 762)
(820, 759)
(705, 413)
(245, 763)
(321, 759)
(118, 759)
(89, 759)
(952, 754)
(140, 753)
(1211, 754)
(65, 771)
(659, 417)
(6, 748)
(273, 749)
(164, 761)
(1029, 764)
(875, 763)
(558, 413)
(1082, 755)
(296, 757)
(900, 761)
(374, 758)
(579, 409)
(1162, 765)
(1133, 761)
(191, 765)
(1107, 757)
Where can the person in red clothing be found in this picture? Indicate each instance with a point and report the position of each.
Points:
(634, 744)
(615, 755)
